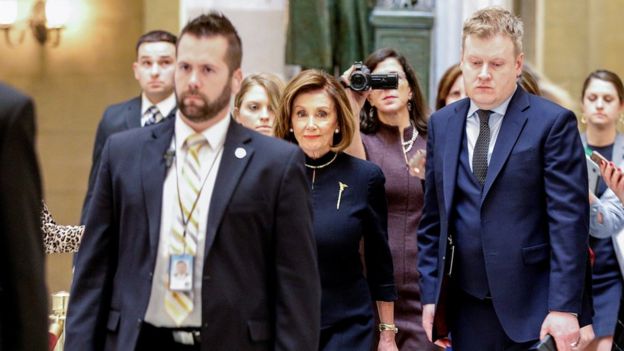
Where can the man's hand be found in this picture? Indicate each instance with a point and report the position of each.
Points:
(587, 335)
(564, 327)
(427, 322)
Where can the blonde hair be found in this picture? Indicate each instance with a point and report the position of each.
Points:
(309, 81)
(272, 85)
(491, 21)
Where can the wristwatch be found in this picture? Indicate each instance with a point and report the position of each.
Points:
(386, 326)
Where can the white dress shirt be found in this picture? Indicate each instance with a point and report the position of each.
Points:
(165, 107)
(495, 122)
(156, 313)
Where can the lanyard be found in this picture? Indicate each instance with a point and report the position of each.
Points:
(188, 218)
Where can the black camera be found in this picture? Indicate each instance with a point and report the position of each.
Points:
(361, 79)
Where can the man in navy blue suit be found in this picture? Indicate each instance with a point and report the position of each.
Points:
(231, 204)
(503, 237)
(153, 70)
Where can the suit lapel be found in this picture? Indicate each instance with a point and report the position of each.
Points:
(133, 113)
(456, 126)
(153, 172)
(231, 169)
(511, 127)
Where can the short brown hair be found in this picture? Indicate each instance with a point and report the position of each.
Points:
(446, 83)
(214, 24)
(315, 80)
(156, 36)
(491, 21)
(272, 85)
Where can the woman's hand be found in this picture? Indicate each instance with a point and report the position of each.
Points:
(356, 98)
(613, 177)
(417, 163)
(387, 341)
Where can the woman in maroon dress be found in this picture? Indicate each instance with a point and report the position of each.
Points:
(393, 126)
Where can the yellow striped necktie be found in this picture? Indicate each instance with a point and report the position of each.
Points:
(180, 304)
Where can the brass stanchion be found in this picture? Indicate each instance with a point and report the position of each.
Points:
(57, 319)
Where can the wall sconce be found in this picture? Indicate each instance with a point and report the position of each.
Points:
(47, 19)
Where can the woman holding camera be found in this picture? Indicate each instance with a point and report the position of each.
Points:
(348, 201)
(393, 125)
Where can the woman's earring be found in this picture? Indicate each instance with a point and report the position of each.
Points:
(337, 131)
(291, 130)
(409, 106)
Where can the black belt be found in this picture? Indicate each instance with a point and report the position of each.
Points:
(185, 336)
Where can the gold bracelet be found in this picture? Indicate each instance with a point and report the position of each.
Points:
(386, 326)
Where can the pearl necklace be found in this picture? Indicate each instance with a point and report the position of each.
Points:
(407, 145)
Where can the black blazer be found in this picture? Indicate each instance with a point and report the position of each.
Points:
(261, 288)
(23, 295)
(117, 118)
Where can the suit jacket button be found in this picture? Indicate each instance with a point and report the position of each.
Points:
(207, 277)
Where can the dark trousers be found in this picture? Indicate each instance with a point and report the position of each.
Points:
(153, 338)
(475, 326)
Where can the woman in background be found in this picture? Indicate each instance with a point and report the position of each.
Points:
(393, 126)
(257, 102)
(348, 201)
(602, 106)
(451, 87)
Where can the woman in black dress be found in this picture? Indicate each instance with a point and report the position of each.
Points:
(348, 199)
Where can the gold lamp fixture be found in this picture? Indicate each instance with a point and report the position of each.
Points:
(47, 20)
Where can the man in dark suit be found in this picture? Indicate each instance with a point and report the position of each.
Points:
(202, 189)
(503, 237)
(23, 295)
(153, 70)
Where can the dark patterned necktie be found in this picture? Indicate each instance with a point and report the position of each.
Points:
(480, 152)
(154, 116)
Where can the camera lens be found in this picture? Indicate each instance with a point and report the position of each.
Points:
(358, 81)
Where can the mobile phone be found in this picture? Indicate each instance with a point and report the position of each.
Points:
(546, 344)
(597, 157)
(593, 175)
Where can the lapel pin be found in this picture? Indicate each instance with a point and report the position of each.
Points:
(341, 187)
(240, 152)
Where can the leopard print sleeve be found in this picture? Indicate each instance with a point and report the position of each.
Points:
(59, 238)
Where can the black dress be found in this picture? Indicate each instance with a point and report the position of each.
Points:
(349, 204)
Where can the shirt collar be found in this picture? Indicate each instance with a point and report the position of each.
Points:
(215, 134)
(500, 109)
(165, 106)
